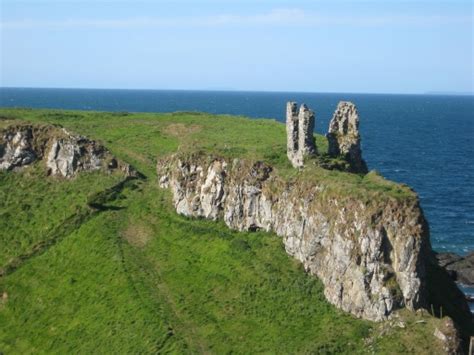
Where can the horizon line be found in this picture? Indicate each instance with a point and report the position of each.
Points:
(426, 93)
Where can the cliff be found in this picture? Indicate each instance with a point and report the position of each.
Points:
(369, 253)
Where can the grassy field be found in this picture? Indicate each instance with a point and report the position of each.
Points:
(138, 278)
(142, 138)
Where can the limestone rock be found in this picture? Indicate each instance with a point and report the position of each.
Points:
(62, 158)
(16, 150)
(370, 256)
(73, 153)
(65, 154)
(299, 130)
(344, 138)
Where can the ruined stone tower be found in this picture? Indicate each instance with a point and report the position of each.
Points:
(299, 130)
(344, 138)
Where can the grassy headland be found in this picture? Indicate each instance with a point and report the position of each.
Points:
(138, 278)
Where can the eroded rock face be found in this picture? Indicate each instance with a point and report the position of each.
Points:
(369, 255)
(16, 150)
(62, 158)
(65, 154)
(344, 138)
(72, 153)
(300, 136)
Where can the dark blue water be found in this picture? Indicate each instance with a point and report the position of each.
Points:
(426, 142)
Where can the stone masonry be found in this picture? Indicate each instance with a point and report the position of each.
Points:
(299, 130)
(344, 138)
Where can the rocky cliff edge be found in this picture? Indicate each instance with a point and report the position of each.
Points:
(369, 253)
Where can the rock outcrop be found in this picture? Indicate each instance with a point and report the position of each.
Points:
(300, 136)
(461, 269)
(65, 154)
(16, 150)
(344, 138)
(72, 154)
(369, 254)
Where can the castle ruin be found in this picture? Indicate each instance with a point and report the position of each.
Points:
(344, 138)
(343, 135)
(299, 130)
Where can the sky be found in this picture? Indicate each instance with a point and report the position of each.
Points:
(371, 46)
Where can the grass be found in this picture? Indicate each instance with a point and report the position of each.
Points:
(135, 277)
(32, 206)
(143, 138)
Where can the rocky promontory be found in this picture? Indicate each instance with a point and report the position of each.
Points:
(370, 255)
(67, 211)
(370, 248)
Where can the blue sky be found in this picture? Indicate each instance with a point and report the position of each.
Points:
(316, 46)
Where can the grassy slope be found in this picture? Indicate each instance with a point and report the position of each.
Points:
(33, 206)
(143, 279)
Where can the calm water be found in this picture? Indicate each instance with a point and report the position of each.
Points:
(426, 142)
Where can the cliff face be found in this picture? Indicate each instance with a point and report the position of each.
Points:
(369, 255)
(65, 154)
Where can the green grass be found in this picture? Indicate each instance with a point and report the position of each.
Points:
(142, 138)
(32, 206)
(143, 279)
(138, 278)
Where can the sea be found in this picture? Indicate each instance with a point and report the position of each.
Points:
(425, 141)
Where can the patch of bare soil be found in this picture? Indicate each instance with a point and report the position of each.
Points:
(137, 234)
(180, 129)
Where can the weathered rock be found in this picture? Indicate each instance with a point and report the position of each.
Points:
(344, 138)
(15, 149)
(72, 154)
(300, 136)
(449, 336)
(461, 269)
(445, 259)
(66, 154)
(306, 142)
(292, 133)
(62, 158)
(369, 255)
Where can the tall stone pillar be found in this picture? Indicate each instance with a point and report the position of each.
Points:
(299, 130)
(306, 142)
(292, 131)
(344, 138)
